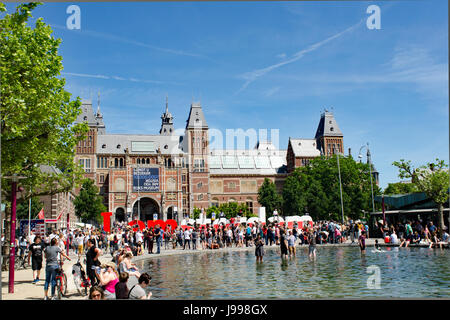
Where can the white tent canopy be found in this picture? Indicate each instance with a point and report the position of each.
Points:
(293, 218)
(253, 220)
(305, 218)
(221, 220)
(279, 219)
(81, 224)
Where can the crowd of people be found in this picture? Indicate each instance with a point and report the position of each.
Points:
(417, 232)
(111, 280)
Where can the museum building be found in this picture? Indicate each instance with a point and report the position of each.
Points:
(165, 175)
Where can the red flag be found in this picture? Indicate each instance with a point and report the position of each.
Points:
(41, 214)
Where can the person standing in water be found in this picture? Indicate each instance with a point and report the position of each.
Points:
(283, 245)
(312, 245)
(259, 249)
(362, 242)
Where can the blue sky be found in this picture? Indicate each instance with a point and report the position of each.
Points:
(268, 65)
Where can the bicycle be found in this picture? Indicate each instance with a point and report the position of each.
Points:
(61, 281)
(21, 261)
(82, 283)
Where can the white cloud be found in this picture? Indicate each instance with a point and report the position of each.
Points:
(101, 76)
(272, 91)
(254, 75)
(130, 41)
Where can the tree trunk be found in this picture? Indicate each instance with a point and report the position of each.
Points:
(441, 219)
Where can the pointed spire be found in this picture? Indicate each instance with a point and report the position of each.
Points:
(98, 104)
(167, 104)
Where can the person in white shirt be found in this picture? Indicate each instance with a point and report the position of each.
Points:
(394, 238)
(79, 242)
(230, 237)
(31, 237)
(187, 239)
(139, 237)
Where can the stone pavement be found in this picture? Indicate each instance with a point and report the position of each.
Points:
(24, 289)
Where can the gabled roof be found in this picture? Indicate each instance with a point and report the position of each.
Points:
(87, 114)
(49, 169)
(196, 119)
(118, 143)
(328, 126)
(304, 147)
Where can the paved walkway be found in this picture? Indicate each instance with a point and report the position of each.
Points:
(24, 289)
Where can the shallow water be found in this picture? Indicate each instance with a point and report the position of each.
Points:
(340, 272)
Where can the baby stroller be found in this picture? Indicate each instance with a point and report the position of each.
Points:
(82, 283)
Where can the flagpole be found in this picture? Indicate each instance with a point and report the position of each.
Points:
(29, 217)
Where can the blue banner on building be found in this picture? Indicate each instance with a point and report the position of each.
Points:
(146, 180)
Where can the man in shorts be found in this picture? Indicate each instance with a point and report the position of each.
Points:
(35, 252)
(291, 244)
(283, 245)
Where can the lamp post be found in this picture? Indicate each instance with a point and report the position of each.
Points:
(340, 182)
(369, 160)
(12, 250)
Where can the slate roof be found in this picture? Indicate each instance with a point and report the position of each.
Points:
(108, 143)
(87, 114)
(304, 147)
(328, 126)
(196, 117)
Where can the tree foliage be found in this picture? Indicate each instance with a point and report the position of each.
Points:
(400, 188)
(315, 189)
(89, 204)
(269, 197)
(22, 208)
(431, 178)
(230, 210)
(37, 114)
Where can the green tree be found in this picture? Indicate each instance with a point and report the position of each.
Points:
(36, 113)
(400, 188)
(269, 198)
(89, 204)
(315, 189)
(22, 208)
(294, 203)
(230, 210)
(432, 179)
(196, 212)
(210, 210)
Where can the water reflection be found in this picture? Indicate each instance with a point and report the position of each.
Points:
(336, 273)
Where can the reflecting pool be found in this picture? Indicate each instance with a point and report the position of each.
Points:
(339, 272)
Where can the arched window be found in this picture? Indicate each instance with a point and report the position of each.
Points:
(116, 162)
(121, 162)
(138, 161)
(148, 161)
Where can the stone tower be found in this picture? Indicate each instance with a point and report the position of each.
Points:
(197, 141)
(167, 122)
(328, 135)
